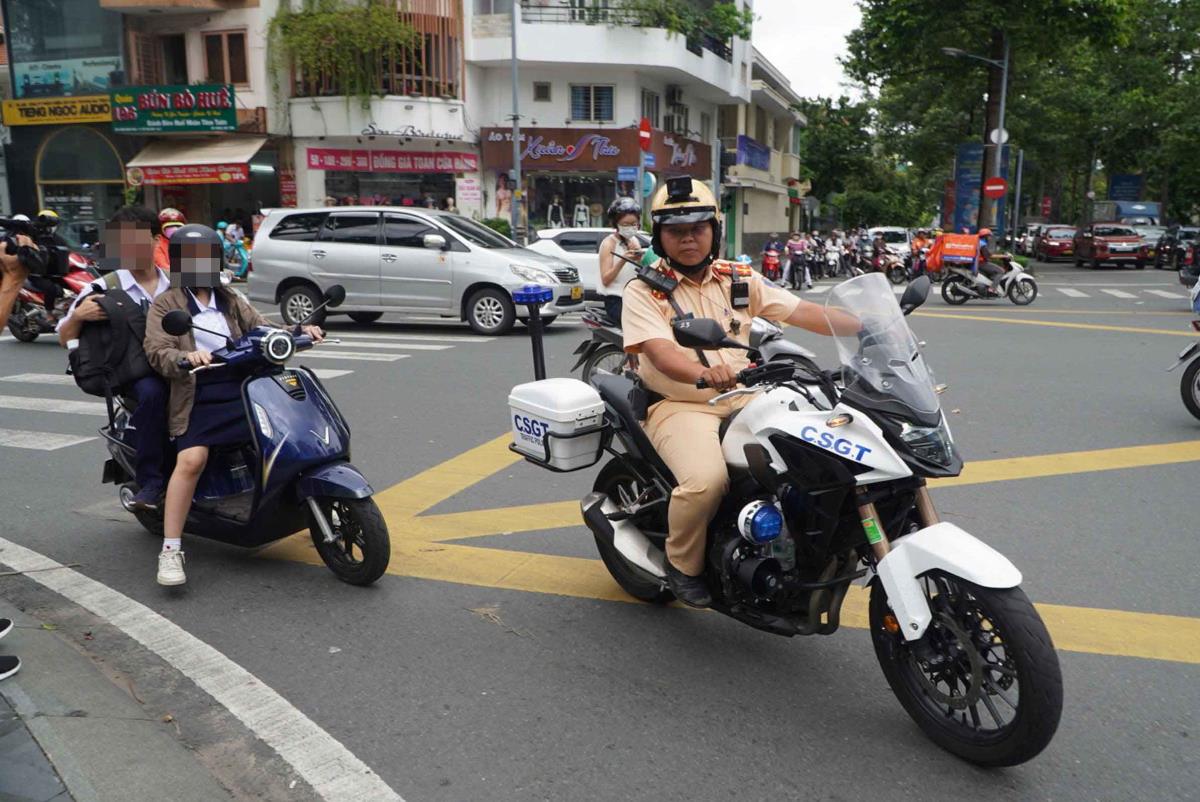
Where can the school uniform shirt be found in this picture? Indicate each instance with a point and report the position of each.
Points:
(131, 287)
(647, 316)
(208, 316)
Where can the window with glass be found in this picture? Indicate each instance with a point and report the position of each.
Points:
(406, 232)
(541, 91)
(351, 229)
(705, 127)
(650, 107)
(63, 48)
(225, 58)
(299, 227)
(591, 103)
(493, 6)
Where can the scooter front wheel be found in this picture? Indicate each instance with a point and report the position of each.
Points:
(361, 548)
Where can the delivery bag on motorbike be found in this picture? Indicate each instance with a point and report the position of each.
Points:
(110, 353)
(952, 249)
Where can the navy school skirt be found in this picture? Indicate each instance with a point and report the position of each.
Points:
(218, 416)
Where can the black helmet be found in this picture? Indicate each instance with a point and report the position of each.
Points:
(621, 207)
(190, 236)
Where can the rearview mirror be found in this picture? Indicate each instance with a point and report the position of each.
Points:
(434, 242)
(915, 294)
(703, 333)
(177, 323)
(335, 295)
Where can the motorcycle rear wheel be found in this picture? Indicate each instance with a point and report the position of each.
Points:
(607, 357)
(362, 548)
(951, 293)
(989, 647)
(1189, 387)
(18, 325)
(614, 480)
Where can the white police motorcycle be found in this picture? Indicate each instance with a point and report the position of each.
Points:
(828, 475)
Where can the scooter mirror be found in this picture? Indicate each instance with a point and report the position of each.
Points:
(915, 294)
(177, 323)
(335, 295)
(703, 333)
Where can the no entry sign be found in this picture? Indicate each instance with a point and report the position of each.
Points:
(644, 138)
(995, 187)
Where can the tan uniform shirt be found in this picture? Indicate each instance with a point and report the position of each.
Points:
(647, 317)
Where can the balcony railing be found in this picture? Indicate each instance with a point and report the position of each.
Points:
(616, 14)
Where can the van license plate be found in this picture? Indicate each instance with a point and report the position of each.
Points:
(576, 293)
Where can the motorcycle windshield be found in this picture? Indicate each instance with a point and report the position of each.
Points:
(883, 356)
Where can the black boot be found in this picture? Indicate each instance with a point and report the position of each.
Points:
(691, 590)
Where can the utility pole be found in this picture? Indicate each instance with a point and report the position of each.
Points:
(518, 189)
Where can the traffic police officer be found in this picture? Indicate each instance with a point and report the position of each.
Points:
(683, 427)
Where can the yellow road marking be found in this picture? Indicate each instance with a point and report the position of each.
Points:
(1059, 324)
(419, 550)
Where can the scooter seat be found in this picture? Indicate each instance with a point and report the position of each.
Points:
(629, 400)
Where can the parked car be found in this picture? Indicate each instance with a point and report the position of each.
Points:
(1173, 245)
(581, 248)
(1189, 266)
(898, 240)
(1115, 243)
(1054, 242)
(402, 260)
(1150, 236)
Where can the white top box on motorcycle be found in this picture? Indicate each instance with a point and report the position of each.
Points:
(566, 414)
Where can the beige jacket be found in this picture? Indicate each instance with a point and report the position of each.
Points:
(164, 350)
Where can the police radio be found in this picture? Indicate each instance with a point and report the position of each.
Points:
(739, 291)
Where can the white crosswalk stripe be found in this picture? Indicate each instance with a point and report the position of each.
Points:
(57, 405)
(39, 441)
(41, 378)
(1165, 294)
(430, 338)
(351, 356)
(1072, 293)
(329, 373)
(348, 343)
(820, 289)
(1118, 293)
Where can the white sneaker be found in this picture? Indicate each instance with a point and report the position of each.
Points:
(170, 568)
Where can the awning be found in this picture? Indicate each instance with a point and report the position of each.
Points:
(181, 161)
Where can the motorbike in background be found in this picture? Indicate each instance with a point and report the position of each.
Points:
(962, 283)
(771, 265)
(1189, 383)
(30, 318)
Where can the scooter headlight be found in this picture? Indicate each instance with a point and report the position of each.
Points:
(278, 347)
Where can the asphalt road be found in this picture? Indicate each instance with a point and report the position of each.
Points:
(504, 666)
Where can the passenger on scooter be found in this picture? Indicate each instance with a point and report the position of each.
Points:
(989, 268)
(129, 241)
(625, 216)
(169, 220)
(205, 409)
(683, 427)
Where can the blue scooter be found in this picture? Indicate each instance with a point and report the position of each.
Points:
(295, 474)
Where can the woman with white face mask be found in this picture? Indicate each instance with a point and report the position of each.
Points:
(624, 215)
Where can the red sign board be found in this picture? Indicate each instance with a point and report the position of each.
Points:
(287, 189)
(995, 187)
(188, 174)
(644, 138)
(1047, 206)
(391, 161)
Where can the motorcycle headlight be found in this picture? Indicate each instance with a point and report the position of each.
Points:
(278, 347)
(533, 274)
(931, 443)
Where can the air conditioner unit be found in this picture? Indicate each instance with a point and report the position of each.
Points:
(674, 96)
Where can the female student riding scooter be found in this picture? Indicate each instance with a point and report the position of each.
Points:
(206, 409)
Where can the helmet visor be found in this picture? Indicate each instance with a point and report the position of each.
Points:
(684, 216)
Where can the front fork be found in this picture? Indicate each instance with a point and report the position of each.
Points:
(874, 530)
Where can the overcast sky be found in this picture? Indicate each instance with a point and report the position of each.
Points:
(803, 38)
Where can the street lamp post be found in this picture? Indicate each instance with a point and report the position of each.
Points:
(954, 52)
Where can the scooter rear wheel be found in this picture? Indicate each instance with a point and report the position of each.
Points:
(361, 548)
(21, 328)
(617, 482)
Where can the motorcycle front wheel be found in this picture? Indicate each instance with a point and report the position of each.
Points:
(952, 293)
(1022, 293)
(1189, 387)
(897, 274)
(361, 547)
(984, 681)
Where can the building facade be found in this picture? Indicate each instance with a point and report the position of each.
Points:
(760, 139)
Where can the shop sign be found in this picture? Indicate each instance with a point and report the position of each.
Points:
(174, 109)
(391, 161)
(58, 111)
(1047, 206)
(467, 192)
(627, 173)
(188, 174)
(605, 151)
(74, 77)
(410, 131)
(752, 153)
(287, 189)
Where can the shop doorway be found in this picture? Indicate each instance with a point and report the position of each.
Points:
(81, 176)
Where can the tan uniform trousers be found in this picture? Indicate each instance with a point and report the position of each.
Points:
(685, 435)
(11, 282)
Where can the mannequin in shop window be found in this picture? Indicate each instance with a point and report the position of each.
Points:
(581, 216)
(554, 215)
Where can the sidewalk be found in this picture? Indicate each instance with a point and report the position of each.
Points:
(68, 733)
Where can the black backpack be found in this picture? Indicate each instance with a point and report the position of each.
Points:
(110, 355)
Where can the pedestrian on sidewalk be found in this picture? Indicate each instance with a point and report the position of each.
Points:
(9, 663)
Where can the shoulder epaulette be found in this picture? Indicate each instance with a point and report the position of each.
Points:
(723, 268)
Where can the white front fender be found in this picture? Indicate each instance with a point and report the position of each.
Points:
(943, 547)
